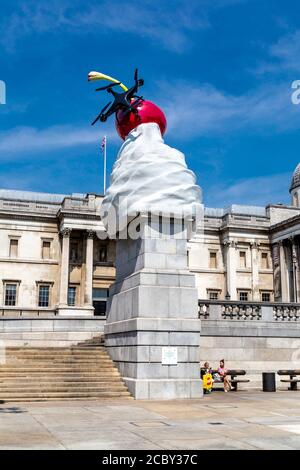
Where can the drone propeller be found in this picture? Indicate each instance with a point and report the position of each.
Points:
(106, 87)
(100, 114)
(139, 81)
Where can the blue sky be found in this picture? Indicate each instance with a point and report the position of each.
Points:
(221, 70)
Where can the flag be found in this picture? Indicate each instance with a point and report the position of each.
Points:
(103, 144)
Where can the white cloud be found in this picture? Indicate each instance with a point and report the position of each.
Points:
(167, 22)
(193, 110)
(162, 22)
(284, 56)
(156, 20)
(260, 191)
(287, 51)
(29, 140)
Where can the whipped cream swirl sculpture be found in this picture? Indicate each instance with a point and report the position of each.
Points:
(148, 175)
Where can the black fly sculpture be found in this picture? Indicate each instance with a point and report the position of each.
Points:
(122, 101)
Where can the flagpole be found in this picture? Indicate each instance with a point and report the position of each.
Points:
(104, 166)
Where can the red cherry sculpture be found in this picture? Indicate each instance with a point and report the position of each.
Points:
(147, 112)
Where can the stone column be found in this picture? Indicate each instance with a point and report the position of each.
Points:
(88, 288)
(276, 270)
(255, 270)
(295, 267)
(230, 257)
(283, 274)
(64, 268)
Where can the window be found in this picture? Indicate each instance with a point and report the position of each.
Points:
(295, 200)
(44, 292)
(213, 295)
(46, 247)
(100, 294)
(72, 296)
(10, 294)
(74, 251)
(243, 259)
(213, 260)
(103, 253)
(264, 261)
(244, 296)
(13, 248)
(265, 296)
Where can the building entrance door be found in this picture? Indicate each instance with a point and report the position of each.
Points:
(100, 308)
(99, 301)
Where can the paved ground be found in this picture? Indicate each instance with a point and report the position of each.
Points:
(242, 420)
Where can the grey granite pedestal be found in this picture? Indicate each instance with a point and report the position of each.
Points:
(153, 331)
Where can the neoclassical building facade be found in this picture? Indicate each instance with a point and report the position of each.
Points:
(55, 257)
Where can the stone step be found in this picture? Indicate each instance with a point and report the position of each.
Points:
(56, 361)
(58, 365)
(56, 349)
(112, 399)
(47, 354)
(21, 381)
(62, 388)
(59, 374)
(80, 372)
(86, 353)
(32, 354)
(49, 343)
(62, 362)
(62, 395)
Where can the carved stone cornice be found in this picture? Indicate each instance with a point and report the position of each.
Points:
(65, 233)
(254, 245)
(47, 218)
(90, 234)
(230, 243)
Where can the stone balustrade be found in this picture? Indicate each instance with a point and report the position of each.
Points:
(259, 311)
(88, 204)
(23, 206)
(285, 312)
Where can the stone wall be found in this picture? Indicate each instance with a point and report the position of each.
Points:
(253, 337)
(48, 332)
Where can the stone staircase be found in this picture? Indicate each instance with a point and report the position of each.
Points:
(84, 371)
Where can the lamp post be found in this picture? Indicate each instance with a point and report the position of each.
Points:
(227, 296)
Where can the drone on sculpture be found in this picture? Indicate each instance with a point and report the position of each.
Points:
(126, 101)
(129, 108)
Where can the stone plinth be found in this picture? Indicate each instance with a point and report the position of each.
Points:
(152, 306)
